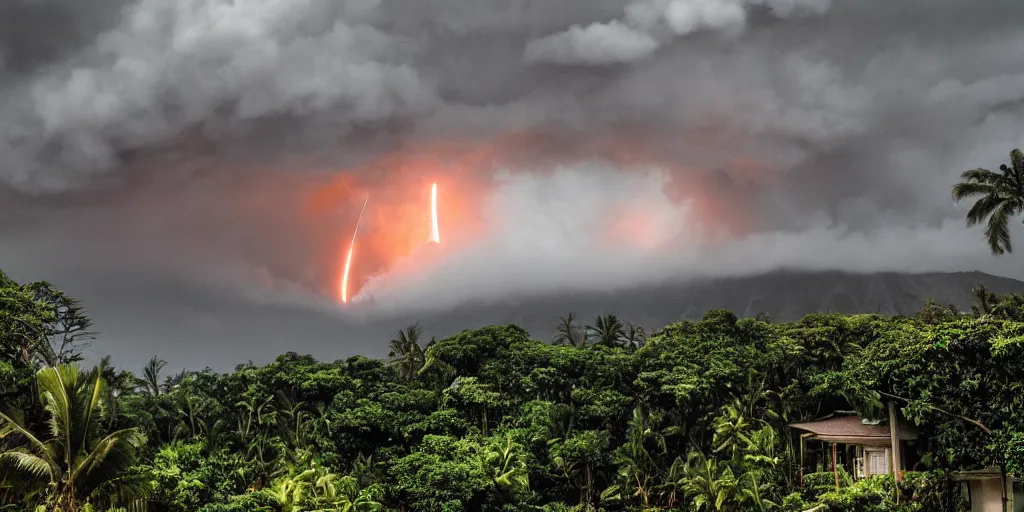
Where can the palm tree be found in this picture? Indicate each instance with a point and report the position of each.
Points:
(294, 419)
(731, 431)
(118, 384)
(990, 305)
(633, 337)
(151, 375)
(503, 461)
(607, 330)
(1002, 197)
(255, 424)
(560, 423)
(74, 465)
(987, 301)
(636, 464)
(175, 381)
(406, 354)
(635, 473)
(190, 411)
(709, 483)
(567, 333)
(1010, 307)
(672, 482)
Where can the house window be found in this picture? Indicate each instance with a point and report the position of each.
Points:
(877, 461)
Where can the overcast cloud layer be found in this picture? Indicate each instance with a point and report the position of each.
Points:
(157, 158)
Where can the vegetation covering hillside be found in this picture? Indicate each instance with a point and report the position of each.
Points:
(690, 417)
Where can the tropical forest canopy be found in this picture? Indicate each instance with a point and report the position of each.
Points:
(692, 416)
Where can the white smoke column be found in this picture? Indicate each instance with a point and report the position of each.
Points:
(546, 233)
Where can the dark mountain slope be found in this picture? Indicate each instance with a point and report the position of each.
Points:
(783, 296)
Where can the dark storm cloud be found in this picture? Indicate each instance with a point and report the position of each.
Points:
(790, 80)
(177, 140)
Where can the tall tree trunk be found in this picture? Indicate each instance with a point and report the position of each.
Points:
(895, 441)
(590, 483)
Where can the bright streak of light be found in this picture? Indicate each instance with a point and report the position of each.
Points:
(435, 233)
(351, 249)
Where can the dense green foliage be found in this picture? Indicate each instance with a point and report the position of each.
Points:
(691, 417)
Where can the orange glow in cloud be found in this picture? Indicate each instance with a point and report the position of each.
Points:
(404, 217)
(638, 228)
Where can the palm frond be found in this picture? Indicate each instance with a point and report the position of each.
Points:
(14, 424)
(980, 175)
(112, 454)
(93, 405)
(998, 231)
(982, 209)
(20, 468)
(56, 387)
(128, 491)
(151, 375)
(1017, 161)
(967, 189)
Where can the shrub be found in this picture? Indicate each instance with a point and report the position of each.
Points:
(822, 482)
(917, 491)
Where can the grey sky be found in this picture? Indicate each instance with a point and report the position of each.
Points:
(157, 158)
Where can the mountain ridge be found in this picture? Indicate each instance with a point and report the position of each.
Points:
(782, 295)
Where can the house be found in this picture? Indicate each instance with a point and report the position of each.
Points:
(864, 447)
(985, 492)
(861, 446)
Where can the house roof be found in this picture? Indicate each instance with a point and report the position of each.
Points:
(853, 430)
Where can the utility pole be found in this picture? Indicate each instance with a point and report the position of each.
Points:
(895, 441)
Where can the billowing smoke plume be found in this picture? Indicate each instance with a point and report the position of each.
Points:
(650, 24)
(579, 144)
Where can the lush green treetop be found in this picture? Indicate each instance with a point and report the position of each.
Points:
(693, 416)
